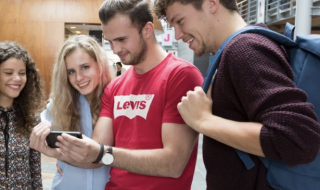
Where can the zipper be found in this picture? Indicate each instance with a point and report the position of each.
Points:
(6, 138)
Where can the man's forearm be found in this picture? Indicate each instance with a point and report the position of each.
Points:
(244, 136)
(156, 162)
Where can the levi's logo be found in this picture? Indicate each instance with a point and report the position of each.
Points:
(132, 105)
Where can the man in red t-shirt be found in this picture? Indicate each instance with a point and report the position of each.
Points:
(149, 144)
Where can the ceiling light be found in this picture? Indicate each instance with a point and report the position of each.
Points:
(72, 27)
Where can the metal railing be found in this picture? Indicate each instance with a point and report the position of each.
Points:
(275, 10)
(248, 10)
(315, 9)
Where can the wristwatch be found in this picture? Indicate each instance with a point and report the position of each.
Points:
(108, 157)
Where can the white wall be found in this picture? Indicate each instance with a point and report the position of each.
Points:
(184, 52)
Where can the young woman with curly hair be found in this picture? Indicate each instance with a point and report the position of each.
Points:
(80, 75)
(21, 96)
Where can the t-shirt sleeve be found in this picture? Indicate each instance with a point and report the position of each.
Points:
(106, 103)
(262, 79)
(181, 81)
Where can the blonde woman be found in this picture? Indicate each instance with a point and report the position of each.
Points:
(80, 75)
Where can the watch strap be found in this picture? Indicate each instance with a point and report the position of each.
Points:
(100, 154)
(109, 150)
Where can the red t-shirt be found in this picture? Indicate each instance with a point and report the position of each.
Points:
(139, 105)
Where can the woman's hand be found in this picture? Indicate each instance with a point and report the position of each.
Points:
(38, 140)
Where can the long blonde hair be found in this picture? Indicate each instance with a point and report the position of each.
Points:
(64, 110)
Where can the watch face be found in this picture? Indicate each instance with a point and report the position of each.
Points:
(107, 159)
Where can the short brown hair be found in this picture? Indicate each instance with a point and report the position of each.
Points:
(138, 11)
(160, 6)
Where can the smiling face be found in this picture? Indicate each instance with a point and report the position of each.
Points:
(191, 26)
(125, 40)
(83, 72)
(12, 80)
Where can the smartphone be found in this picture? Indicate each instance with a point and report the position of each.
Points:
(52, 137)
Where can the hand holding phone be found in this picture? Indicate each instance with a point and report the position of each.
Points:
(52, 137)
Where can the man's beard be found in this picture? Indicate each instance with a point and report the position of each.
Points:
(140, 55)
(204, 49)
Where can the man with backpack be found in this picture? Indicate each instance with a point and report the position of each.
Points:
(253, 104)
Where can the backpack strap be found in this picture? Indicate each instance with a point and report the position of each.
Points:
(245, 158)
(249, 29)
(289, 30)
(216, 59)
(247, 161)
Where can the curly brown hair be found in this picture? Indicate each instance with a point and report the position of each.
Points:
(160, 6)
(29, 103)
